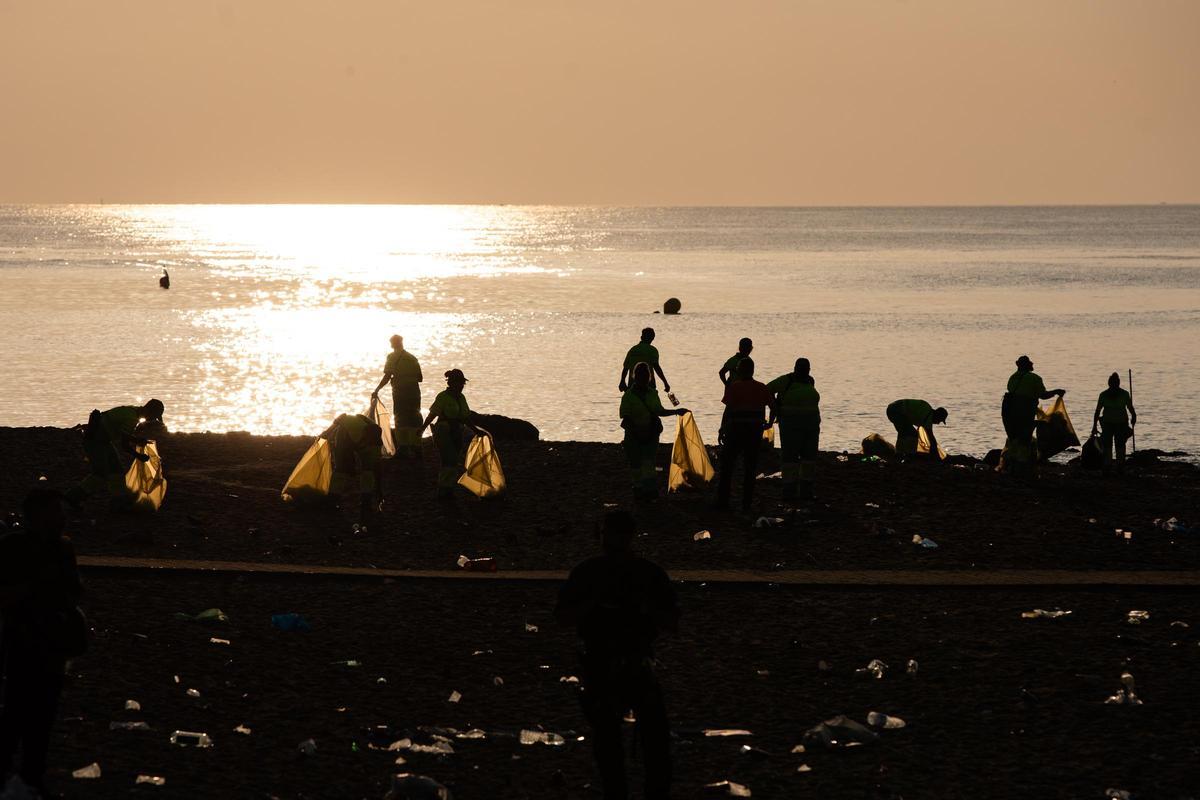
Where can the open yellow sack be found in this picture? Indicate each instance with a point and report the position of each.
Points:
(876, 445)
(690, 465)
(923, 445)
(769, 437)
(484, 476)
(1055, 432)
(312, 475)
(145, 480)
(377, 412)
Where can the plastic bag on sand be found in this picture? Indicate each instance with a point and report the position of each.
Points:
(145, 481)
(483, 476)
(1090, 455)
(839, 732)
(378, 413)
(312, 475)
(1055, 432)
(407, 786)
(876, 445)
(690, 465)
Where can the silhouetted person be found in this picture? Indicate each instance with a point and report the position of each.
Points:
(110, 442)
(1114, 421)
(1019, 413)
(619, 603)
(403, 371)
(729, 370)
(642, 353)
(356, 443)
(746, 403)
(42, 628)
(909, 415)
(165, 281)
(799, 405)
(449, 414)
(641, 412)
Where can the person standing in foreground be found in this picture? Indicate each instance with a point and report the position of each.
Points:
(619, 603)
(42, 628)
(642, 353)
(746, 402)
(1117, 426)
(728, 371)
(403, 371)
(1019, 413)
(641, 410)
(108, 436)
(448, 415)
(799, 402)
(909, 415)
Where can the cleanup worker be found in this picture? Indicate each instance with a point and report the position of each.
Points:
(110, 443)
(641, 410)
(799, 402)
(1116, 425)
(729, 370)
(746, 403)
(42, 628)
(448, 415)
(907, 416)
(403, 371)
(1019, 413)
(642, 353)
(355, 444)
(619, 603)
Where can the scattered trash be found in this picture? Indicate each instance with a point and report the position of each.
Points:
(350, 663)
(912, 667)
(290, 622)
(923, 541)
(701, 536)
(407, 786)
(1173, 525)
(839, 731)
(1126, 695)
(1117, 794)
(1041, 613)
(152, 780)
(454, 697)
(531, 628)
(191, 739)
(438, 748)
(879, 720)
(874, 667)
(871, 505)
(210, 615)
(542, 737)
(768, 522)
(90, 771)
(798, 749)
(133, 705)
(474, 733)
(732, 789)
(128, 726)
(219, 641)
(193, 692)
(1179, 624)
(568, 679)
(726, 732)
(307, 748)
(380, 681)
(497, 681)
(843, 458)
(1137, 617)
(477, 564)
(804, 768)
(748, 750)
(243, 730)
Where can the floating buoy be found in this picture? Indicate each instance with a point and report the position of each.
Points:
(672, 306)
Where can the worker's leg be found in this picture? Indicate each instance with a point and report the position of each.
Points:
(1119, 439)
(654, 729)
(449, 442)
(648, 475)
(730, 451)
(602, 709)
(1106, 447)
(750, 453)
(810, 436)
(790, 436)
(406, 411)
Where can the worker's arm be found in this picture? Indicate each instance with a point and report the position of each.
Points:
(723, 373)
(1096, 417)
(666, 383)
(428, 421)
(933, 445)
(1132, 414)
(724, 423)
(622, 386)
(131, 444)
(773, 409)
(672, 412)
(1052, 393)
(387, 376)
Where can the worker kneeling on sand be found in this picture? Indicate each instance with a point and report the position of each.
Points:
(355, 443)
(1116, 425)
(641, 410)
(907, 416)
(619, 603)
(799, 428)
(449, 414)
(110, 444)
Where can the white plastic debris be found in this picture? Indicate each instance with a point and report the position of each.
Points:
(542, 737)
(804, 768)
(243, 730)
(1137, 617)
(454, 697)
(731, 789)
(700, 536)
(874, 667)
(151, 780)
(193, 692)
(727, 732)
(912, 666)
(1041, 613)
(191, 739)
(531, 628)
(877, 719)
(90, 771)
(568, 679)
(474, 733)
(133, 705)
(215, 640)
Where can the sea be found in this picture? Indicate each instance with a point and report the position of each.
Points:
(278, 316)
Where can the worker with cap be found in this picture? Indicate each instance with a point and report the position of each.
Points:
(728, 370)
(448, 415)
(747, 403)
(356, 444)
(909, 415)
(641, 412)
(642, 353)
(110, 443)
(799, 428)
(403, 371)
(1116, 419)
(1019, 411)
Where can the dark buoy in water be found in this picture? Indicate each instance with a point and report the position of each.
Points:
(672, 306)
(165, 280)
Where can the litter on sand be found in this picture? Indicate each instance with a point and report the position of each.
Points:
(730, 788)
(726, 732)
(191, 739)
(874, 667)
(454, 697)
(839, 731)
(150, 780)
(541, 737)
(243, 730)
(924, 541)
(877, 719)
(1041, 613)
(701, 536)
(90, 771)
(1137, 617)
(128, 726)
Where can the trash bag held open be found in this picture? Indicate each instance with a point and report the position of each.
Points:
(923, 447)
(311, 478)
(690, 465)
(484, 476)
(377, 412)
(1055, 432)
(145, 480)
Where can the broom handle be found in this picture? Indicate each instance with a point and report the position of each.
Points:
(1133, 432)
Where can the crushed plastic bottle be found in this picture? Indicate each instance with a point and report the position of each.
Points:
(150, 780)
(912, 666)
(307, 748)
(1137, 617)
(477, 564)
(924, 541)
(1041, 613)
(839, 731)
(878, 719)
(91, 771)
(874, 667)
(674, 400)
(191, 739)
(701, 536)
(128, 726)
(731, 789)
(215, 640)
(542, 737)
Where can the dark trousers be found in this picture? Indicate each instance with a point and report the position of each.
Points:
(31, 693)
(610, 688)
(744, 443)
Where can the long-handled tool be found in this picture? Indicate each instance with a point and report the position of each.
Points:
(1133, 430)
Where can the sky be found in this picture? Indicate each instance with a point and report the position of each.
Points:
(657, 102)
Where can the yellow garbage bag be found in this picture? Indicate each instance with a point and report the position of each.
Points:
(876, 445)
(690, 465)
(769, 437)
(923, 448)
(484, 476)
(377, 412)
(312, 475)
(1055, 432)
(145, 480)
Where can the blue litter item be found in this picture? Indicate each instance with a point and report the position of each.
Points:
(290, 622)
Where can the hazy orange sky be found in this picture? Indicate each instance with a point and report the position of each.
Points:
(563, 101)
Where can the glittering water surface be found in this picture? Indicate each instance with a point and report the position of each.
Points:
(278, 316)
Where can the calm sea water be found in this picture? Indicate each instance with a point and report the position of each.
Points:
(278, 316)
